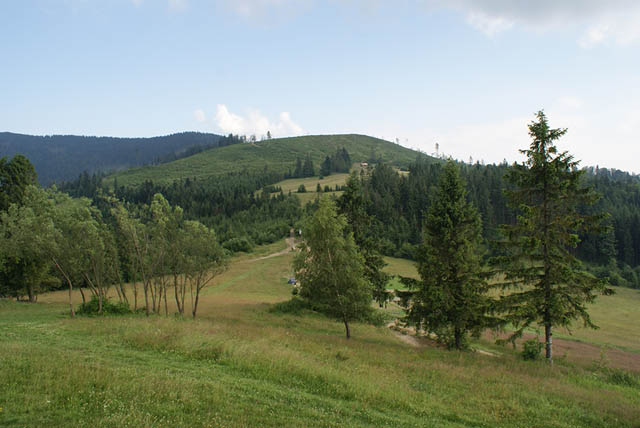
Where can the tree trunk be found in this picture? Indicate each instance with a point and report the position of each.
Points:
(166, 306)
(458, 338)
(32, 295)
(346, 327)
(84, 299)
(195, 303)
(548, 335)
(73, 314)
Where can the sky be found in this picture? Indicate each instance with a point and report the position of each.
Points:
(465, 74)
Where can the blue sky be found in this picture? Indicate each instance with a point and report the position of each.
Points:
(466, 74)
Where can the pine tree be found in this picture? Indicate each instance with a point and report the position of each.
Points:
(451, 298)
(545, 283)
(330, 268)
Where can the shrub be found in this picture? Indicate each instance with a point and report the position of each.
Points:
(302, 189)
(91, 307)
(237, 244)
(531, 349)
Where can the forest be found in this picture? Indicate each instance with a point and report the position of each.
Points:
(59, 158)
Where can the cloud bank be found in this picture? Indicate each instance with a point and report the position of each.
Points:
(255, 123)
(598, 21)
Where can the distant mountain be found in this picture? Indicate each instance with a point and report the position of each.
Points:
(276, 155)
(59, 158)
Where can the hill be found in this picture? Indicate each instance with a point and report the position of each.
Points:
(59, 158)
(242, 364)
(277, 155)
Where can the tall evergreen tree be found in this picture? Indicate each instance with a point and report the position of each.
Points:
(545, 282)
(451, 299)
(330, 267)
(307, 168)
(353, 205)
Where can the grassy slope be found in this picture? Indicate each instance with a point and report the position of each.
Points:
(277, 154)
(240, 365)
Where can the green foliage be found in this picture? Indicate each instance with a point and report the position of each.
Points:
(546, 282)
(302, 189)
(92, 308)
(236, 245)
(15, 176)
(450, 300)
(352, 205)
(531, 349)
(330, 268)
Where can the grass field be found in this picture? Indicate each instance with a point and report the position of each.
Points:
(241, 365)
(277, 154)
(310, 184)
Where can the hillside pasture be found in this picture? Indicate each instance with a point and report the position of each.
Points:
(240, 364)
(278, 154)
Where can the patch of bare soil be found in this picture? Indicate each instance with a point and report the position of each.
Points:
(291, 245)
(585, 353)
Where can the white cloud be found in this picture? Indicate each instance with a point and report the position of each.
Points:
(598, 21)
(199, 115)
(489, 25)
(255, 123)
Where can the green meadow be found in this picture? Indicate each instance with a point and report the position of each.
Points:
(276, 155)
(242, 364)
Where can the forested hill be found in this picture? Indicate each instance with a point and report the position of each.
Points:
(276, 155)
(59, 158)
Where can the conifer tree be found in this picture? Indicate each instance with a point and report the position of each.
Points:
(352, 204)
(450, 301)
(330, 268)
(545, 282)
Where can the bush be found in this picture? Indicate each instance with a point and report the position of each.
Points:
(302, 189)
(237, 244)
(531, 349)
(91, 307)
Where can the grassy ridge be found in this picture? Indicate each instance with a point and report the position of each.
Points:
(241, 365)
(276, 154)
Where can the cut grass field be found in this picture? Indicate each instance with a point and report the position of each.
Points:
(310, 184)
(239, 364)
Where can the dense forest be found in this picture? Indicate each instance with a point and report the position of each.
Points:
(59, 158)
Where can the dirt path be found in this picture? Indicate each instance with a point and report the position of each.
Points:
(586, 353)
(291, 245)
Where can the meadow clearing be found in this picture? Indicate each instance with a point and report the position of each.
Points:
(241, 364)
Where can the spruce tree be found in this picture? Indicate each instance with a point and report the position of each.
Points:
(352, 204)
(544, 282)
(450, 301)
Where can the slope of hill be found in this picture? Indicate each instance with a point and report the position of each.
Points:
(64, 157)
(277, 154)
(241, 365)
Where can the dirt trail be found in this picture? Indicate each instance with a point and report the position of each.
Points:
(291, 245)
(585, 353)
